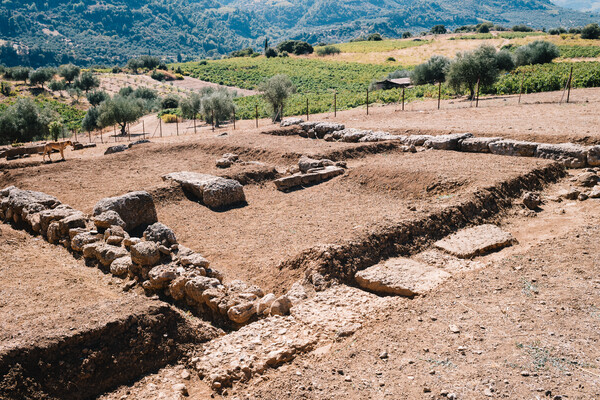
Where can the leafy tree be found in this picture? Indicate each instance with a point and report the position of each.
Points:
(87, 81)
(374, 37)
(17, 73)
(247, 52)
(295, 46)
(470, 67)
(145, 93)
(5, 89)
(169, 101)
(121, 111)
(432, 71)
(505, 60)
(400, 73)
(276, 91)
(270, 52)
(485, 27)
(218, 103)
(406, 35)
(24, 121)
(126, 91)
(90, 121)
(538, 52)
(75, 93)
(96, 97)
(149, 62)
(41, 76)
(328, 50)
(591, 31)
(522, 28)
(134, 64)
(69, 72)
(439, 30)
(191, 106)
(55, 128)
(57, 85)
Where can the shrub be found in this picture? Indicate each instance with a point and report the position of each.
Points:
(169, 118)
(158, 75)
(96, 97)
(434, 70)
(590, 31)
(327, 51)
(218, 104)
(479, 65)
(284, 54)
(116, 70)
(270, 52)
(522, 28)
(505, 60)
(276, 92)
(538, 52)
(406, 35)
(121, 111)
(5, 89)
(557, 31)
(247, 52)
(169, 101)
(24, 121)
(57, 85)
(41, 76)
(87, 81)
(56, 129)
(69, 72)
(485, 27)
(17, 73)
(390, 59)
(90, 121)
(191, 106)
(374, 37)
(400, 73)
(575, 30)
(295, 47)
(439, 30)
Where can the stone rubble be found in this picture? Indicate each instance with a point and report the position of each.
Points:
(311, 172)
(215, 192)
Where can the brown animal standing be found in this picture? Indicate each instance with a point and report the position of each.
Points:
(60, 146)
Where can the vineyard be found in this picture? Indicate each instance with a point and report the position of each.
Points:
(568, 51)
(379, 46)
(70, 116)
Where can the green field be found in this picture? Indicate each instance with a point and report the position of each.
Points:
(568, 51)
(501, 35)
(379, 46)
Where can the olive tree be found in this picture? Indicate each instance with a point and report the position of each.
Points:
(276, 91)
(191, 106)
(90, 120)
(96, 97)
(121, 111)
(480, 65)
(69, 72)
(538, 52)
(41, 76)
(431, 71)
(24, 121)
(87, 81)
(218, 103)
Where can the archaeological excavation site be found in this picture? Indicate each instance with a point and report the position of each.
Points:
(348, 258)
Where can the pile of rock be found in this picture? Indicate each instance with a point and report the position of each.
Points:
(312, 172)
(122, 147)
(446, 142)
(351, 135)
(291, 122)
(81, 146)
(227, 160)
(214, 191)
(156, 261)
(585, 186)
(318, 130)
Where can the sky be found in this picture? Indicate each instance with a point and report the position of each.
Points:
(583, 5)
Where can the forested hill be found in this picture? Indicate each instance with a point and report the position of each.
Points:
(50, 32)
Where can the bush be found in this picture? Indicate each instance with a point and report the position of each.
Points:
(57, 85)
(295, 47)
(327, 51)
(505, 60)
(69, 72)
(41, 76)
(480, 65)
(538, 52)
(270, 52)
(17, 73)
(590, 31)
(276, 92)
(56, 129)
(400, 73)
(485, 27)
(218, 104)
(169, 101)
(439, 30)
(374, 37)
(121, 111)
(90, 121)
(24, 121)
(158, 75)
(87, 81)
(522, 28)
(96, 97)
(169, 118)
(191, 106)
(247, 52)
(575, 30)
(284, 54)
(432, 71)
(406, 35)
(390, 59)
(5, 89)
(116, 70)
(557, 31)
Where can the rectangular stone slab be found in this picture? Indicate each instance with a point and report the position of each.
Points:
(401, 277)
(476, 241)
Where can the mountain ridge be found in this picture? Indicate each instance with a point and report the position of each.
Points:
(86, 32)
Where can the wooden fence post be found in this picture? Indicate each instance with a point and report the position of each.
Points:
(160, 126)
(256, 113)
(177, 124)
(115, 132)
(439, 94)
(234, 118)
(477, 98)
(307, 115)
(402, 99)
(335, 104)
(213, 119)
(570, 80)
(521, 89)
(367, 101)
(144, 129)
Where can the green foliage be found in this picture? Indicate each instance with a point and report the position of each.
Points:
(400, 73)
(158, 75)
(476, 36)
(87, 81)
(374, 37)
(69, 72)
(56, 129)
(406, 35)
(538, 52)
(169, 101)
(549, 77)
(505, 60)
(438, 30)
(41, 76)
(479, 65)
(270, 52)
(247, 52)
(590, 31)
(519, 35)
(327, 51)
(579, 51)
(297, 47)
(121, 111)
(57, 85)
(96, 97)
(276, 91)
(218, 104)
(90, 121)
(432, 71)
(24, 121)
(17, 73)
(557, 31)
(191, 106)
(5, 89)
(522, 28)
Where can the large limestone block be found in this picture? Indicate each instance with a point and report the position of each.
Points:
(401, 276)
(476, 241)
(136, 209)
(477, 144)
(593, 156)
(214, 191)
(569, 154)
(310, 178)
(446, 142)
(513, 148)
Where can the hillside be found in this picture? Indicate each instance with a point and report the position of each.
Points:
(109, 32)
